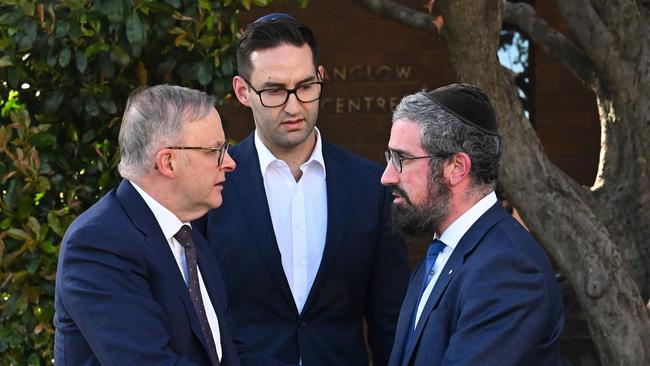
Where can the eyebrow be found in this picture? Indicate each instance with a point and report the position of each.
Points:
(399, 152)
(272, 84)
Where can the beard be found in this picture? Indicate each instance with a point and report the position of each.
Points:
(425, 218)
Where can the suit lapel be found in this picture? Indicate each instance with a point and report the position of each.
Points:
(145, 221)
(405, 320)
(464, 249)
(338, 192)
(247, 180)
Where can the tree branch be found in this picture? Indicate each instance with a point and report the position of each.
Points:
(393, 10)
(551, 41)
(595, 40)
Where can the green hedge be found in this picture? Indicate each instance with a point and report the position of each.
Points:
(66, 68)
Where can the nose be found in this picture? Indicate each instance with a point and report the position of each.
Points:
(293, 105)
(390, 176)
(228, 164)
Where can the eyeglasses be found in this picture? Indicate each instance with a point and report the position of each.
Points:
(275, 97)
(396, 159)
(221, 149)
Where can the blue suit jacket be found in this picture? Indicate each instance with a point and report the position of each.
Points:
(363, 271)
(120, 297)
(496, 302)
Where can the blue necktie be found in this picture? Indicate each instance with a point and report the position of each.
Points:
(435, 248)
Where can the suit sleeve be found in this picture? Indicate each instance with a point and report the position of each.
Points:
(504, 313)
(104, 288)
(390, 276)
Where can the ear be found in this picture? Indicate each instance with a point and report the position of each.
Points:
(321, 72)
(241, 90)
(458, 168)
(165, 163)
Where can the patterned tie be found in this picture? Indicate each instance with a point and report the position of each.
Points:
(184, 237)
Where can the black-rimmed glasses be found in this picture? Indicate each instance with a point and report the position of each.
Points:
(221, 149)
(396, 159)
(275, 97)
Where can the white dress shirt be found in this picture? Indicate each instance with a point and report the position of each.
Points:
(451, 237)
(299, 215)
(170, 224)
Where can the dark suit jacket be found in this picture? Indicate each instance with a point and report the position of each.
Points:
(363, 272)
(496, 302)
(120, 297)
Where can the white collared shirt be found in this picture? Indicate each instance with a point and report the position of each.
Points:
(451, 237)
(170, 224)
(299, 215)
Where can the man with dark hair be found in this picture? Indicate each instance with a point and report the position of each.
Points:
(485, 294)
(134, 285)
(303, 235)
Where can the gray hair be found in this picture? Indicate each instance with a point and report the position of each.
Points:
(443, 134)
(154, 118)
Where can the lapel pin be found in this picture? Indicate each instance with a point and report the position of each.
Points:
(450, 272)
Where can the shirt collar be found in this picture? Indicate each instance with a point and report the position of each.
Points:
(459, 227)
(169, 223)
(266, 157)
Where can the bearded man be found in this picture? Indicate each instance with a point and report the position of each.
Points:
(486, 293)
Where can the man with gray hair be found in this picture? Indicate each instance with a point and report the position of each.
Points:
(485, 294)
(135, 285)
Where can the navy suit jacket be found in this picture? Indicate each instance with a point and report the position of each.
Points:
(496, 302)
(363, 272)
(120, 297)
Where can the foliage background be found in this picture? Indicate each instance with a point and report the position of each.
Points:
(66, 69)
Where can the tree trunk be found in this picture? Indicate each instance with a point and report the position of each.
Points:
(598, 235)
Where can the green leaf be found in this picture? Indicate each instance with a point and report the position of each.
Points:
(42, 139)
(114, 10)
(18, 234)
(89, 135)
(54, 223)
(118, 54)
(108, 105)
(204, 73)
(64, 57)
(31, 264)
(47, 246)
(34, 226)
(92, 109)
(12, 77)
(174, 3)
(5, 61)
(205, 4)
(246, 4)
(91, 50)
(62, 28)
(134, 28)
(11, 18)
(261, 2)
(82, 62)
(53, 101)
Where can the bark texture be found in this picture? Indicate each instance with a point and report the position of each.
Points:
(598, 235)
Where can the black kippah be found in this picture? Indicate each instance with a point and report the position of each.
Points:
(469, 104)
(273, 17)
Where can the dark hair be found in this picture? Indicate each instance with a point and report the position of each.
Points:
(264, 34)
(444, 133)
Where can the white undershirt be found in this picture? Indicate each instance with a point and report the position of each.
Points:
(451, 237)
(170, 224)
(299, 215)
